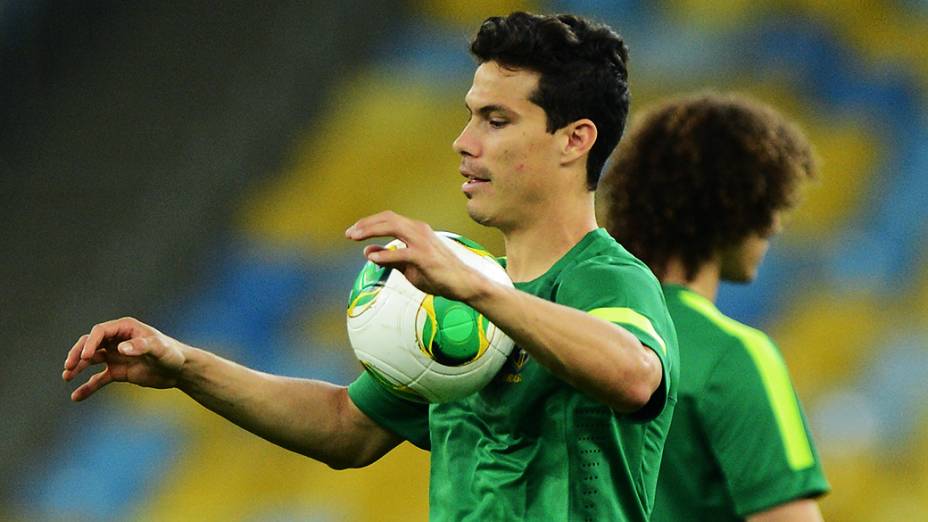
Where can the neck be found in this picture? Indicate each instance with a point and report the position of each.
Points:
(531, 250)
(704, 282)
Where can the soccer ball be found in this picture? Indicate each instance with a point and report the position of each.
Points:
(424, 347)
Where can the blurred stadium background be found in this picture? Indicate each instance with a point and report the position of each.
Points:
(194, 164)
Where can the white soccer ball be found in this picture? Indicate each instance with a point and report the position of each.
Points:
(424, 347)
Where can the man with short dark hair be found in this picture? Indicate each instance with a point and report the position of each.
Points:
(696, 191)
(574, 425)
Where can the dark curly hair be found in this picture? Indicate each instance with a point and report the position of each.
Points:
(582, 68)
(700, 174)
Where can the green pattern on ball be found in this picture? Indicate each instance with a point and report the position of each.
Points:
(458, 339)
(404, 392)
(366, 287)
(458, 327)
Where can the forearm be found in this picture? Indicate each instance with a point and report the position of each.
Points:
(314, 418)
(597, 357)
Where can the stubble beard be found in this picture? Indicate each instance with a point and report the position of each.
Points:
(478, 217)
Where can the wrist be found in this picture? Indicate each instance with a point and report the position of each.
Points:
(191, 360)
(482, 290)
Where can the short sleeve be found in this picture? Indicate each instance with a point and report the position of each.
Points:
(757, 430)
(408, 419)
(629, 296)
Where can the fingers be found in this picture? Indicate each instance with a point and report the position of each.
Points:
(378, 253)
(370, 249)
(132, 347)
(355, 230)
(82, 364)
(74, 354)
(73, 364)
(132, 351)
(386, 256)
(97, 381)
(89, 348)
(384, 224)
(98, 334)
(116, 330)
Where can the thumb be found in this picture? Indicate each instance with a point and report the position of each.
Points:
(134, 346)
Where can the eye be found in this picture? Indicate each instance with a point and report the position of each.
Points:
(497, 123)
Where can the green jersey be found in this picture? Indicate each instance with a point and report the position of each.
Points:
(531, 447)
(739, 443)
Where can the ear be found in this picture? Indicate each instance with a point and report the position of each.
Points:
(580, 137)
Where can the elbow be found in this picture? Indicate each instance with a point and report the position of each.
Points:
(336, 461)
(635, 391)
(351, 458)
(640, 396)
(630, 399)
(337, 457)
(339, 465)
(343, 462)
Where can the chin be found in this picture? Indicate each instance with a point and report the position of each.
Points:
(741, 277)
(480, 218)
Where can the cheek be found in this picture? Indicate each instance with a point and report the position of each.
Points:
(763, 247)
(529, 157)
(757, 253)
(519, 161)
(523, 155)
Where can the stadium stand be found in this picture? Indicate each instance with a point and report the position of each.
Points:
(266, 145)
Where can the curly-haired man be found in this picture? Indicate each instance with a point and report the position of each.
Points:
(696, 191)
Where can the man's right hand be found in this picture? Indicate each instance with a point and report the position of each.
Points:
(314, 418)
(132, 352)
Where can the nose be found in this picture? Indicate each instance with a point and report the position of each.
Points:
(465, 144)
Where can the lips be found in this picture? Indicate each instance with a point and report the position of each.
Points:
(473, 183)
(472, 177)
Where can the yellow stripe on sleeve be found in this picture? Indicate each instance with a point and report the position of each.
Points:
(631, 318)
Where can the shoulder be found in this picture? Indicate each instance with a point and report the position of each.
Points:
(606, 280)
(600, 256)
(605, 267)
(746, 344)
(740, 361)
(700, 322)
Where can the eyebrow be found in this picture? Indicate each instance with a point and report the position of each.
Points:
(486, 110)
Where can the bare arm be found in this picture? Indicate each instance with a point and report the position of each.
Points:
(314, 418)
(603, 360)
(803, 510)
(598, 357)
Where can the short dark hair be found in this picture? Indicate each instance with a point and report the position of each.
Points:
(701, 173)
(582, 68)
